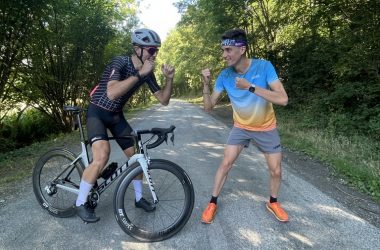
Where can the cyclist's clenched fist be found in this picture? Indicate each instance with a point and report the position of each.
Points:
(168, 70)
(147, 67)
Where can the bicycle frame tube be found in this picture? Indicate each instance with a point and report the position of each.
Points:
(73, 190)
(70, 189)
(144, 165)
(140, 158)
(83, 155)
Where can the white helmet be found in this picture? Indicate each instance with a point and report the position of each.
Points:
(145, 37)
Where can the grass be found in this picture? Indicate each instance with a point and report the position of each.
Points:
(18, 164)
(355, 158)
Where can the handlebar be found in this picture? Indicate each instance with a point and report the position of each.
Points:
(161, 133)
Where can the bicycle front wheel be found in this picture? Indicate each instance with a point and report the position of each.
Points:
(175, 195)
(56, 179)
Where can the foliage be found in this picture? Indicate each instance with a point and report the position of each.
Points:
(326, 52)
(24, 128)
(64, 51)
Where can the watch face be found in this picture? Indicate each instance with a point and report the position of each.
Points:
(251, 89)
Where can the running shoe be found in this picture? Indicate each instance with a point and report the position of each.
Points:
(276, 209)
(209, 213)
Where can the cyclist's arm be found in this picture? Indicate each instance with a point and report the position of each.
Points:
(163, 95)
(116, 88)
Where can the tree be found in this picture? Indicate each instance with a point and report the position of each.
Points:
(65, 56)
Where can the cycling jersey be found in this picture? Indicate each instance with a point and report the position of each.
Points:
(119, 69)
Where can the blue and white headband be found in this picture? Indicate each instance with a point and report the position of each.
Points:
(233, 42)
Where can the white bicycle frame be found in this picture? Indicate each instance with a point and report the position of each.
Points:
(142, 159)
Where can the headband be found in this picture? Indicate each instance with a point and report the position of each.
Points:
(233, 42)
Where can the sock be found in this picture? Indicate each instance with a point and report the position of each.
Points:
(214, 199)
(137, 184)
(272, 199)
(84, 189)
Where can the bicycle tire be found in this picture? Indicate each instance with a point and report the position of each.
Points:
(59, 202)
(170, 182)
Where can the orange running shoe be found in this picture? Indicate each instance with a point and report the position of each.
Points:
(209, 213)
(276, 209)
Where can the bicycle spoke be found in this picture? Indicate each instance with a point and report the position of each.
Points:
(56, 167)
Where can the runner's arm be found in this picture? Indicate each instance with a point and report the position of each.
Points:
(276, 95)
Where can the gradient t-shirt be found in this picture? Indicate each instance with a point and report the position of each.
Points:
(250, 111)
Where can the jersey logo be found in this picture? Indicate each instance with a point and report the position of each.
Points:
(113, 72)
(255, 77)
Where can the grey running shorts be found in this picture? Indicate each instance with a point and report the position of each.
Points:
(267, 141)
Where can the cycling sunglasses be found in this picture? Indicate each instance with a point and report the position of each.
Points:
(152, 50)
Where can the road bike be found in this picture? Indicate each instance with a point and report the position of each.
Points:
(57, 175)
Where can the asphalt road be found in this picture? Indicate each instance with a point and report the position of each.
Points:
(242, 222)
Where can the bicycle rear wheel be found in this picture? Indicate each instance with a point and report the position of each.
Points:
(175, 195)
(54, 171)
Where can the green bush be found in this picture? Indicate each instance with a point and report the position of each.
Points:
(19, 130)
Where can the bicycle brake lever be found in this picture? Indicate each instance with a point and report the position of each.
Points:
(172, 138)
(166, 139)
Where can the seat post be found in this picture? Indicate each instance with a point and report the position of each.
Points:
(80, 126)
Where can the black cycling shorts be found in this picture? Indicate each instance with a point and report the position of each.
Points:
(99, 120)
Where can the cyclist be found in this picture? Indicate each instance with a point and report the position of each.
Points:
(252, 86)
(122, 77)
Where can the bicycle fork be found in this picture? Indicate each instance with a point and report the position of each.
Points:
(140, 158)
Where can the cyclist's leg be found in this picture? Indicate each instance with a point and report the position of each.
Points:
(97, 135)
(119, 128)
(100, 154)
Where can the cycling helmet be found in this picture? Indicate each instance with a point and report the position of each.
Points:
(145, 37)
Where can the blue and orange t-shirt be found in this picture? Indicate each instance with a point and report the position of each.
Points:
(250, 112)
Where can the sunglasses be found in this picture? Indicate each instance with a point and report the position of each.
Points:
(152, 50)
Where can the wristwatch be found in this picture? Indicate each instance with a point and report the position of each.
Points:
(252, 88)
(137, 74)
